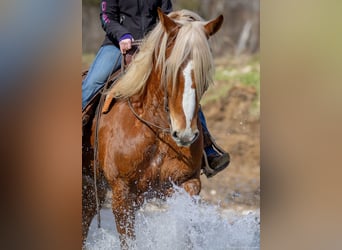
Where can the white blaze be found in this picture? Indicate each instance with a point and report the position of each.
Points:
(189, 95)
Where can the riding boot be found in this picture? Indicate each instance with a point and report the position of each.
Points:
(88, 111)
(215, 158)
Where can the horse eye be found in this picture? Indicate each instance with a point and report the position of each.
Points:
(190, 18)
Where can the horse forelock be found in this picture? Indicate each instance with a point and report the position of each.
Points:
(190, 43)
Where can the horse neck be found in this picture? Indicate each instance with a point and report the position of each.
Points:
(153, 101)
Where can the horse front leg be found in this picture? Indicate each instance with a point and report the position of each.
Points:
(124, 209)
(192, 186)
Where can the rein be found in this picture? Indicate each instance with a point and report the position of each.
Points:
(166, 105)
(165, 130)
(137, 42)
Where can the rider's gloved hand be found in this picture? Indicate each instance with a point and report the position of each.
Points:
(125, 43)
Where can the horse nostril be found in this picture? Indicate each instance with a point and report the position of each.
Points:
(174, 134)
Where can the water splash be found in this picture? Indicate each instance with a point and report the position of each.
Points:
(181, 223)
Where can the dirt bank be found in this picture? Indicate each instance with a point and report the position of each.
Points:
(237, 131)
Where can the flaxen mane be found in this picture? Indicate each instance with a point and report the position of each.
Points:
(190, 43)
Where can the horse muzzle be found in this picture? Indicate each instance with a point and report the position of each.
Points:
(184, 138)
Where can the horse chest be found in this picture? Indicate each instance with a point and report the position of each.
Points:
(161, 170)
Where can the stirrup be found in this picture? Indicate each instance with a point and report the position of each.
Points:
(206, 168)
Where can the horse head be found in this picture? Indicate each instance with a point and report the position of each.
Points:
(187, 70)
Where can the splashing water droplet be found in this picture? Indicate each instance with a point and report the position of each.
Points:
(180, 223)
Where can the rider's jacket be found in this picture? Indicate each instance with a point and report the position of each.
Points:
(135, 17)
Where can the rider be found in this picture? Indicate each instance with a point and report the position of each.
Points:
(123, 21)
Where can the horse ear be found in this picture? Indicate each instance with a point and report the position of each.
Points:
(213, 26)
(169, 25)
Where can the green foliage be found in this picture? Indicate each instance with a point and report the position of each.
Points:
(237, 72)
(250, 78)
(248, 74)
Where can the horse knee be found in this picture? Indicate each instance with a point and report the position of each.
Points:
(192, 187)
(124, 213)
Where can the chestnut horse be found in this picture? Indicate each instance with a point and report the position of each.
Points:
(151, 138)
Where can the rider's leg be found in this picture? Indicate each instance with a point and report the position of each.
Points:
(107, 60)
(216, 160)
